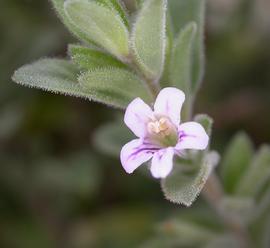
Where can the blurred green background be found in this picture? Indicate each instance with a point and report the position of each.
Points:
(57, 189)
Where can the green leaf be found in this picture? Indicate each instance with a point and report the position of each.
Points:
(187, 233)
(165, 79)
(182, 187)
(55, 75)
(117, 6)
(111, 137)
(59, 8)
(206, 121)
(184, 12)
(236, 160)
(87, 58)
(99, 24)
(256, 175)
(263, 206)
(113, 86)
(149, 38)
(239, 207)
(181, 62)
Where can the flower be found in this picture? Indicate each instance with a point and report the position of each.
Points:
(160, 134)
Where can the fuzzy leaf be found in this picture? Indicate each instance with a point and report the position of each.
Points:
(87, 58)
(117, 6)
(257, 174)
(149, 38)
(110, 138)
(183, 188)
(237, 159)
(206, 121)
(165, 79)
(55, 75)
(184, 12)
(113, 86)
(99, 24)
(59, 8)
(181, 61)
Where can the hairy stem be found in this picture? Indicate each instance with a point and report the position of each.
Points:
(152, 84)
(214, 194)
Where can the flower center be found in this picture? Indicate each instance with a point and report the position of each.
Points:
(162, 131)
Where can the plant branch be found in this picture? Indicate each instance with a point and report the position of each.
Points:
(152, 84)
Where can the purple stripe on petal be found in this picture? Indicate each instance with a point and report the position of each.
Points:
(135, 153)
(192, 136)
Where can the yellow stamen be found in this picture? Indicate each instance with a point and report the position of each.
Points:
(159, 126)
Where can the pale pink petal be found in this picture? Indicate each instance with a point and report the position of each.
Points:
(162, 163)
(192, 136)
(169, 102)
(137, 115)
(135, 153)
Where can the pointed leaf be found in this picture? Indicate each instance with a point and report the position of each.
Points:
(89, 58)
(59, 8)
(149, 38)
(236, 160)
(184, 12)
(99, 24)
(113, 86)
(117, 6)
(55, 75)
(183, 188)
(181, 62)
(257, 175)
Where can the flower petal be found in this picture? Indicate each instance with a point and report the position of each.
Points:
(169, 102)
(135, 153)
(137, 115)
(162, 163)
(192, 136)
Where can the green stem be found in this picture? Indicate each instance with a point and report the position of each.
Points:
(152, 84)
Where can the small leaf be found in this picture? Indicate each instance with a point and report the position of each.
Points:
(183, 12)
(88, 58)
(99, 24)
(111, 137)
(117, 6)
(55, 75)
(183, 188)
(59, 7)
(237, 159)
(257, 174)
(181, 61)
(113, 86)
(206, 121)
(149, 38)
